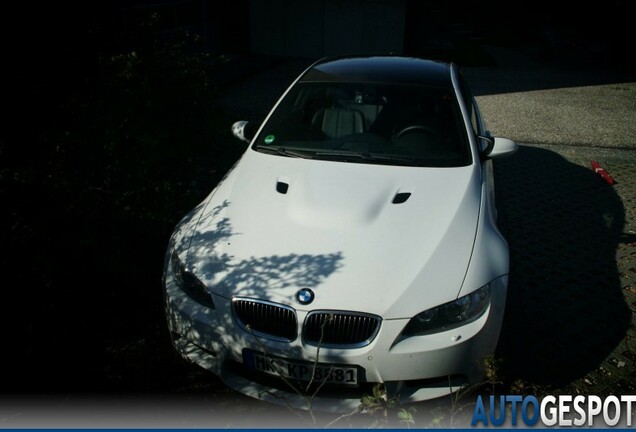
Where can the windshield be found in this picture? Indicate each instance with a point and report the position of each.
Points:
(368, 123)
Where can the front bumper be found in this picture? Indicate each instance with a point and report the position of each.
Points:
(416, 368)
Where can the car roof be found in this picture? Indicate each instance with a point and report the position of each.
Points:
(381, 69)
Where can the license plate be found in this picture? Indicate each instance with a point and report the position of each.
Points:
(301, 371)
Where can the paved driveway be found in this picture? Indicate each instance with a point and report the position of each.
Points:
(570, 317)
(572, 294)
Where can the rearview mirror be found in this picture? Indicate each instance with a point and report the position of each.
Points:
(243, 130)
(497, 147)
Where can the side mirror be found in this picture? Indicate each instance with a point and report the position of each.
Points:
(497, 147)
(243, 130)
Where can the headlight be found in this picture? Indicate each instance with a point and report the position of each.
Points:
(450, 315)
(189, 283)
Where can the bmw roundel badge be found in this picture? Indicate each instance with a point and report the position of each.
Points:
(305, 296)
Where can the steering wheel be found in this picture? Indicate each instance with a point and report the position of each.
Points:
(416, 128)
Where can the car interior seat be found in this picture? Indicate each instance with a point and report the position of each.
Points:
(336, 122)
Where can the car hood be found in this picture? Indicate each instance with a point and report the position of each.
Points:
(337, 231)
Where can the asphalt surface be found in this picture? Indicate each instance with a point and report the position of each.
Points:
(524, 101)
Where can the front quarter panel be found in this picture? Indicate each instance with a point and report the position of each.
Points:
(490, 257)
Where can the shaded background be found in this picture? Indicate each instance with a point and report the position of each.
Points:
(116, 122)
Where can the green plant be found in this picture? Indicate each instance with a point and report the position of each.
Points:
(384, 409)
(378, 405)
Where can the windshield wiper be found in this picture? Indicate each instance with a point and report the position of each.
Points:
(284, 151)
(372, 157)
(393, 158)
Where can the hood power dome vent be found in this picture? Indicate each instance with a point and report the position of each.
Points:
(282, 187)
(401, 197)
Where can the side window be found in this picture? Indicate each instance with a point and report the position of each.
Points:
(474, 120)
(469, 102)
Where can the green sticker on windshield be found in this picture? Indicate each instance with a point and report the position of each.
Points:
(269, 139)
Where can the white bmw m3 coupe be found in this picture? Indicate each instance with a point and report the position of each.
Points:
(354, 243)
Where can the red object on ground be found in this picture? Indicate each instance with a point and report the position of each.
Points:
(604, 174)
